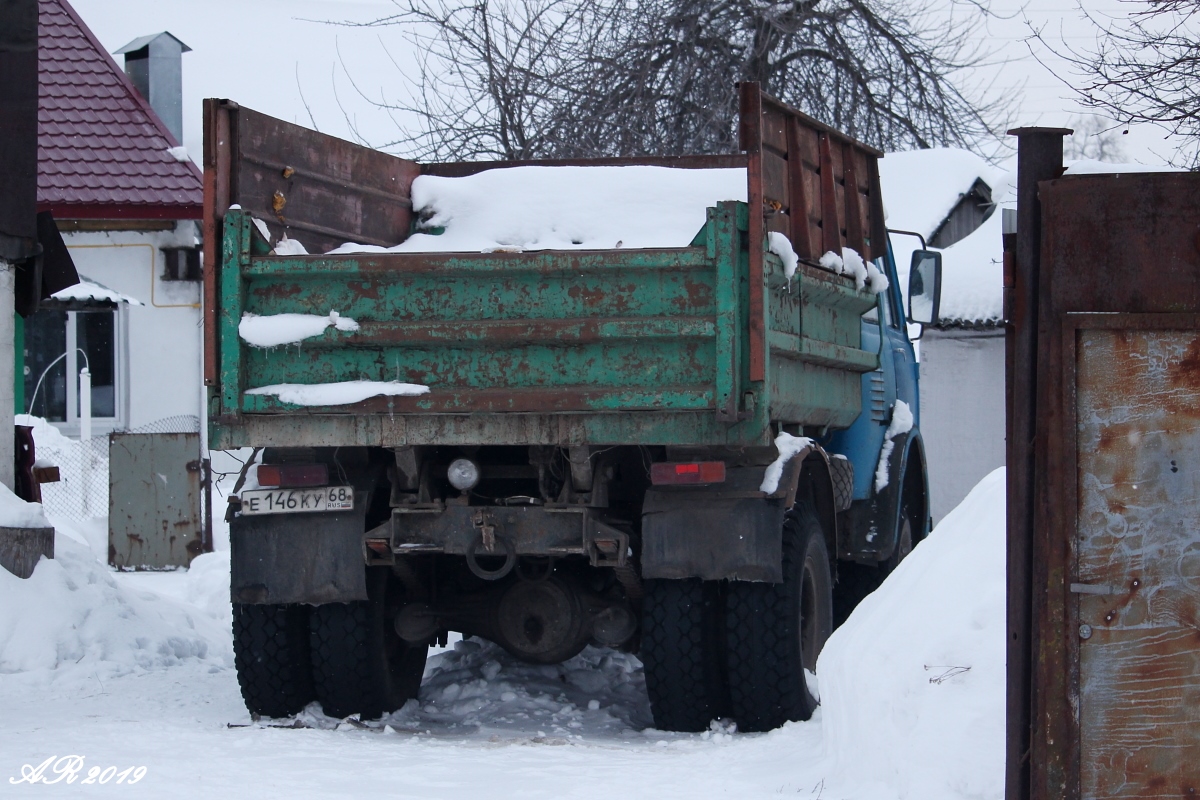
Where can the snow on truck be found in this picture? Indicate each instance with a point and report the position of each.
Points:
(667, 405)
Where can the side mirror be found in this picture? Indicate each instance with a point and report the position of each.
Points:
(925, 287)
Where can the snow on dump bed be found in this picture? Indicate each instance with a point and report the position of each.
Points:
(338, 394)
(273, 330)
(912, 685)
(565, 208)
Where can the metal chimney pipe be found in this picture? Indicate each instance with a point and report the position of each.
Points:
(155, 66)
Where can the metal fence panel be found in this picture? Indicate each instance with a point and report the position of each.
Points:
(1104, 596)
(154, 500)
(1138, 557)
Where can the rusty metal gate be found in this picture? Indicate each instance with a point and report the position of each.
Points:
(1103, 301)
(1137, 576)
(154, 500)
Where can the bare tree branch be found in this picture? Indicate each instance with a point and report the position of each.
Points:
(1144, 68)
(521, 79)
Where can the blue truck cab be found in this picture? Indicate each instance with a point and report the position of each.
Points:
(889, 512)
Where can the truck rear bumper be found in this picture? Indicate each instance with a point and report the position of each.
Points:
(556, 531)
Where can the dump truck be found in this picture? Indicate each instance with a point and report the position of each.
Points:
(704, 451)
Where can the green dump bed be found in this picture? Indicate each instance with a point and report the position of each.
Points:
(700, 345)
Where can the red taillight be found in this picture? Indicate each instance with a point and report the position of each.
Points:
(690, 472)
(290, 476)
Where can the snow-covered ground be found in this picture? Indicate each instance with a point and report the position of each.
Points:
(135, 670)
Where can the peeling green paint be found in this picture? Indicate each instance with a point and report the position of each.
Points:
(618, 346)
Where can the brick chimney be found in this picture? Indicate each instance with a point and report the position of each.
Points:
(155, 65)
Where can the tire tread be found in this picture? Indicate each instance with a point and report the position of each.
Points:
(680, 654)
(271, 656)
(763, 630)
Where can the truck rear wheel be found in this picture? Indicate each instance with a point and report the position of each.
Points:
(360, 665)
(681, 635)
(270, 652)
(776, 631)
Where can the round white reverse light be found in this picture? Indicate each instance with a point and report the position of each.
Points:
(463, 474)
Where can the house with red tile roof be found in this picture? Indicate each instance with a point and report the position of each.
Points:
(127, 199)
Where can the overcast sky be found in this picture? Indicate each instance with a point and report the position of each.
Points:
(270, 55)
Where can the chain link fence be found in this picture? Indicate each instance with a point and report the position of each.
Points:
(81, 492)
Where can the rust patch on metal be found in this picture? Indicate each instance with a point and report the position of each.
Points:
(1138, 412)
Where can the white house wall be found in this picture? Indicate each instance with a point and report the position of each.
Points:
(962, 411)
(159, 342)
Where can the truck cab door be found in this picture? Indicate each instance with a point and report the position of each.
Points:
(861, 442)
(885, 331)
(903, 356)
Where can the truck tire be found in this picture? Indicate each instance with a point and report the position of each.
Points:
(681, 637)
(270, 652)
(360, 665)
(776, 630)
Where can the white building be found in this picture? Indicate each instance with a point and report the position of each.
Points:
(127, 200)
(953, 198)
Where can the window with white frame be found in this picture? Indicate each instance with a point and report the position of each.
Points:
(59, 342)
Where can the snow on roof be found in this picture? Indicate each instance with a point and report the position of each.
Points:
(972, 269)
(88, 289)
(101, 148)
(919, 190)
(565, 208)
(973, 276)
(921, 187)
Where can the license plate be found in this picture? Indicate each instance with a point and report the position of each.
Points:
(290, 501)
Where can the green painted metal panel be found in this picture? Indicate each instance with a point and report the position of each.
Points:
(565, 347)
(235, 257)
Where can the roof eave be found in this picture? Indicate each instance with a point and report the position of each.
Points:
(123, 210)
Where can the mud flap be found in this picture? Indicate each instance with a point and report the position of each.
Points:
(695, 535)
(311, 558)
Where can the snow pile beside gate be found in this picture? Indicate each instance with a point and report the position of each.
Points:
(72, 614)
(16, 513)
(912, 685)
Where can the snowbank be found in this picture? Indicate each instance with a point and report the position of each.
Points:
(73, 615)
(16, 513)
(912, 685)
(338, 394)
(565, 208)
